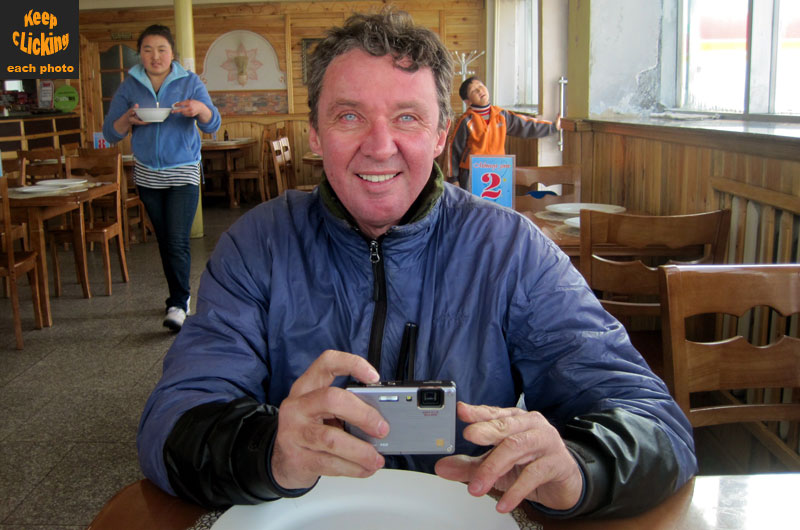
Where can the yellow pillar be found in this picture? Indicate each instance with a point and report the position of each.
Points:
(184, 42)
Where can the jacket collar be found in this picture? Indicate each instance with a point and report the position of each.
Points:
(419, 208)
(138, 72)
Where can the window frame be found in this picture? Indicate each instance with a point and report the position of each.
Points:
(760, 68)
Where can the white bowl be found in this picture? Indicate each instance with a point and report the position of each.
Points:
(153, 115)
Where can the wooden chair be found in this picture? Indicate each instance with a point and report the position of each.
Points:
(254, 173)
(284, 167)
(100, 168)
(537, 187)
(13, 264)
(730, 364)
(627, 281)
(18, 231)
(70, 149)
(39, 164)
(130, 198)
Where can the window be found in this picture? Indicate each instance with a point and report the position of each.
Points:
(724, 70)
(516, 56)
(114, 65)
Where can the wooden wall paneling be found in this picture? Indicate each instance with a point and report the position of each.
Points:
(91, 102)
(289, 69)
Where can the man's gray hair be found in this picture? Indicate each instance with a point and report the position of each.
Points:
(388, 33)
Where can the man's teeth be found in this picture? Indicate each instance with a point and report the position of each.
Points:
(376, 178)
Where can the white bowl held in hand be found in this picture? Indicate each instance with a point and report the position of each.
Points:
(153, 115)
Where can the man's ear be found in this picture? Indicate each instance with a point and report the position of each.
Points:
(314, 141)
(441, 140)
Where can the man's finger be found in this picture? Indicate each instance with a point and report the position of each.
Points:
(330, 365)
(459, 468)
(495, 430)
(475, 413)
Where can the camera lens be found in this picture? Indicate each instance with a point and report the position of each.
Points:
(430, 397)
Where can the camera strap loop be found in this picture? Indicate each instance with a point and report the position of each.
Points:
(408, 353)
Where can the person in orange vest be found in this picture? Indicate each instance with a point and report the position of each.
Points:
(482, 130)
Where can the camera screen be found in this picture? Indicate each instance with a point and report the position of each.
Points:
(429, 398)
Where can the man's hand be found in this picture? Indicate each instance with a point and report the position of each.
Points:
(528, 460)
(311, 441)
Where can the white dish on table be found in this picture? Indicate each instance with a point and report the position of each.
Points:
(153, 115)
(574, 222)
(34, 189)
(390, 500)
(574, 208)
(60, 183)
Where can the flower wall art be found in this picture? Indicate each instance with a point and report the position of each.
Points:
(242, 60)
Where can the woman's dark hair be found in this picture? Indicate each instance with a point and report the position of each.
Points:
(387, 33)
(156, 29)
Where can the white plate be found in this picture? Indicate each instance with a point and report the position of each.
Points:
(574, 222)
(61, 183)
(388, 500)
(574, 208)
(34, 189)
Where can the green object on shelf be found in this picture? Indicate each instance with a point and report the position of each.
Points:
(65, 98)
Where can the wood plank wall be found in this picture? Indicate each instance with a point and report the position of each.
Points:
(675, 170)
(460, 24)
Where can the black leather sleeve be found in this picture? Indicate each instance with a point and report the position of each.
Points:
(218, 454)
(628, 462)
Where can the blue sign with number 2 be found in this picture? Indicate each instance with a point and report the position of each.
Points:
(492, 178)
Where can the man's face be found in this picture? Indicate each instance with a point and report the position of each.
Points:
(477, 94)
(377, 132)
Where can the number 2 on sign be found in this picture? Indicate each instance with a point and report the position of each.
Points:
(491, 191)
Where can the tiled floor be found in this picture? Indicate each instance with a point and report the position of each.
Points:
(70, 401)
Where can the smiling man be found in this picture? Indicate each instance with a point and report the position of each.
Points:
(308, 290)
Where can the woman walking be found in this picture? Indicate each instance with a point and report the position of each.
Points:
(167, 153)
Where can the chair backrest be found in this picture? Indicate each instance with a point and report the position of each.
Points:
(99, 167)
(281, 164)
(11, 169)
(7, 249)
(548, 185)
(619, 253)
(91, 151)
(40, 163)
(732, 363)
(70, 148)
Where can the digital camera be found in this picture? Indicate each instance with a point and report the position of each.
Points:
(421, 416)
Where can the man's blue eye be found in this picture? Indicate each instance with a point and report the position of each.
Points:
(406, 117)
(349, 116)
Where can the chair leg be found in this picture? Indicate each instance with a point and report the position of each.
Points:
(231, 195)
(260, 184)
(56, 267)
(15, 312)
(123, 262)
(126, 227)
(33, 280)
(107, 265)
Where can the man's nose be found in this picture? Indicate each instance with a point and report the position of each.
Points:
(379, 141)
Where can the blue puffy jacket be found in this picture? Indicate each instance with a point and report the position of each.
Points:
(173, 142)
(501, 311)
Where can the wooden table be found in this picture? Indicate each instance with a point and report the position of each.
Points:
(35, 209)
(229, 149)
(567, 238)
(704, 503)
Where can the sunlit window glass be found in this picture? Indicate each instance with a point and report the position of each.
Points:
(787, 79)
(716, 55)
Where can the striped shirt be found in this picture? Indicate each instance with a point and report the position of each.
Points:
(166, 178)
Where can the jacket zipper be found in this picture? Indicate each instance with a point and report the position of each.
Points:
(379, 296)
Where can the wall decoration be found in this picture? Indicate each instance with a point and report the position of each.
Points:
(306, 47)
(242, 60)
